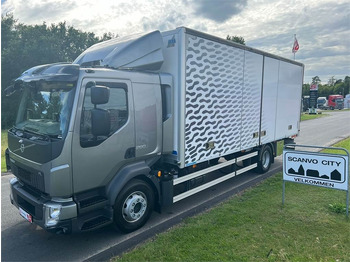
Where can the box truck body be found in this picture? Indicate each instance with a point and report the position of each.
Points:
(139, 123)
(221, 98)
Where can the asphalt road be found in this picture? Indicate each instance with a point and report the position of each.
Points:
(21, 241)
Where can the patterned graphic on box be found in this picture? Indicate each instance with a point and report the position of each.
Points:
(214, 81)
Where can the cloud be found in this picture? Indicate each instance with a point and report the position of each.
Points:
(219, 10)
(39, 11)
(322, 26)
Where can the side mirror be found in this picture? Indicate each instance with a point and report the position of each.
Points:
(100, 122)
(99, 95)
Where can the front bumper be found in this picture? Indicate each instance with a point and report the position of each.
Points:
(52, 214)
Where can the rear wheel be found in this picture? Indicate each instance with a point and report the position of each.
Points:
(133, 206)
(265, 159)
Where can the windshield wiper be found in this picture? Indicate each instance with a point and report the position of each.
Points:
(35, 132)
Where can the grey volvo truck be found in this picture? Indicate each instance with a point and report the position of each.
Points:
(138, 123)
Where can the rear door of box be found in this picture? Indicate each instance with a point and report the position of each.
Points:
(281, 100)
(290, 78)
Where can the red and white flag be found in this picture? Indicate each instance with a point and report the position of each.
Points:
(295, 45)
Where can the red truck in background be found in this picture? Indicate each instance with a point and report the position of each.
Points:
(335, 102)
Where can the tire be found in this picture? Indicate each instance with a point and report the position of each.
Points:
(265, 159)
(133, 206)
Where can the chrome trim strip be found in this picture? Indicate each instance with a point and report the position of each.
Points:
(211, 183)
(213, 168)
(202, 172)
(14, 156)
(54, 169)
(247, 156)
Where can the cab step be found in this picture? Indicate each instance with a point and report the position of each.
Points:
(91, 201)
(95, 223)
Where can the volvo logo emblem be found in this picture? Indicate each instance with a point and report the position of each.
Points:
(21, 146)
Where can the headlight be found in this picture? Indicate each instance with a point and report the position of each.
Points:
(13, 180)
(52, 212)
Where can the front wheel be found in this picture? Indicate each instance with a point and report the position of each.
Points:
(265, 159)
(133, 206)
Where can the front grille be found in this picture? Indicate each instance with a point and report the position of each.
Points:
(34, 179)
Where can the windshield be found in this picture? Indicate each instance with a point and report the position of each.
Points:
(45, 108)
(321, 101)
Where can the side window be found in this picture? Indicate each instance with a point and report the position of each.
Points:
(117, 108)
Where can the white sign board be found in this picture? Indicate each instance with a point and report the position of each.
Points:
(314, 87)
(318, 169)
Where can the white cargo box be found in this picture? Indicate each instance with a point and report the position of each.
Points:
(228, 97)
(225, 98)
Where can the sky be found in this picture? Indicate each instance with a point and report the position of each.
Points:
(322, 27)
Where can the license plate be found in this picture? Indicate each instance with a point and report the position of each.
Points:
(25, 215)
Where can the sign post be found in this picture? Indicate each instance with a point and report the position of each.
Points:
(313, 98)
(317, 169)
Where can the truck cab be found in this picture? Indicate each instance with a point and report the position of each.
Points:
(336, 102)
(322, 103)
(72, 123)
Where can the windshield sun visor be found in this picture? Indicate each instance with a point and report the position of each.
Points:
(61, 72)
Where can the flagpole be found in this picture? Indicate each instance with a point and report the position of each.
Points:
(295, 45)
(295, 37)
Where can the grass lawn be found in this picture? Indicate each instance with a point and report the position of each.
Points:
(343, 144)
(3, 148)
(254, 226)
(280, 145)
(309, 117)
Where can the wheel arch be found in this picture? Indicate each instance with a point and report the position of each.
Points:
(139, 170)
(273, 146)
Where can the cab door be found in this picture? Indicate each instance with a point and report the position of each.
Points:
(96, 160)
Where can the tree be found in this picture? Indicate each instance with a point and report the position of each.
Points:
(306, 89)
(346, 85)
(316, 80)
(24, 46)
(341, 87)
(331, 81)
(236, 39)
